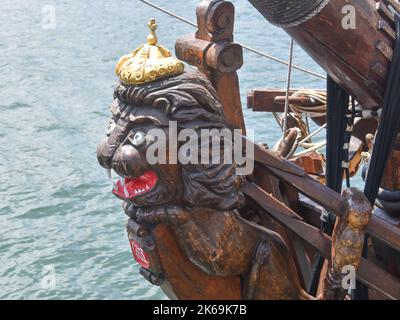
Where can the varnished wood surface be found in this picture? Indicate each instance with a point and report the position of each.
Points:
(185, 280)
(227, 86)
(297, 178)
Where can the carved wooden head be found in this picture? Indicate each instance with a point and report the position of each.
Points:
(139, 112)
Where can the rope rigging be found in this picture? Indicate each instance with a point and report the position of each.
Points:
(289, 77)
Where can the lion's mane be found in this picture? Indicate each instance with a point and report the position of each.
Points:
(191, 101)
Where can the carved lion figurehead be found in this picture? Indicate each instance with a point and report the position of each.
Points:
(190, 101)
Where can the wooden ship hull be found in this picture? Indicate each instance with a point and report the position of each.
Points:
(285, 197)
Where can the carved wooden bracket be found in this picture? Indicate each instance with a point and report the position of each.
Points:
(212, 50)
(215, 20)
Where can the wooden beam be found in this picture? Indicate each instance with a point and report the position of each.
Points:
(384, 231)
(263, 100)
(296, 177)
(317, 239)
(273, 100)
(376, 278)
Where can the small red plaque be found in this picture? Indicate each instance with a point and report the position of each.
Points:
(139, 254)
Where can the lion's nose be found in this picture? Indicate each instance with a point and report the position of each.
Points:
(109, 145)
(105, 153)
(128, 162)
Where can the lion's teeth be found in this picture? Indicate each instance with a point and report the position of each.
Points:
(126, 193)
(147, 187)
(140, 191)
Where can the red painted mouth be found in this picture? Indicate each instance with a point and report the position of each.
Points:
(128, 188)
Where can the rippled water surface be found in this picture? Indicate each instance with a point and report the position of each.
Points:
(56, 209)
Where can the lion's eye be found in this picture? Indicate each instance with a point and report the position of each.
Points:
(138, 139)
(110, 128)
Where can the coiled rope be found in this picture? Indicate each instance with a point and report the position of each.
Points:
(314, 95)
(297, 112)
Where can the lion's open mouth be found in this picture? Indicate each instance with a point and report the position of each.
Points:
(129, 188)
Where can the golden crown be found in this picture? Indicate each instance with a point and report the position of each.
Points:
(149, 62)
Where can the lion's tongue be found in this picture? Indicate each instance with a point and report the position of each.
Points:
(132, 187)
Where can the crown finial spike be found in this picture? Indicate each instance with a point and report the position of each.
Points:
(149, 62)
(152, 38)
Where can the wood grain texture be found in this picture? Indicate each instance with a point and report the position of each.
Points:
(335, 49)
(185, 280)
